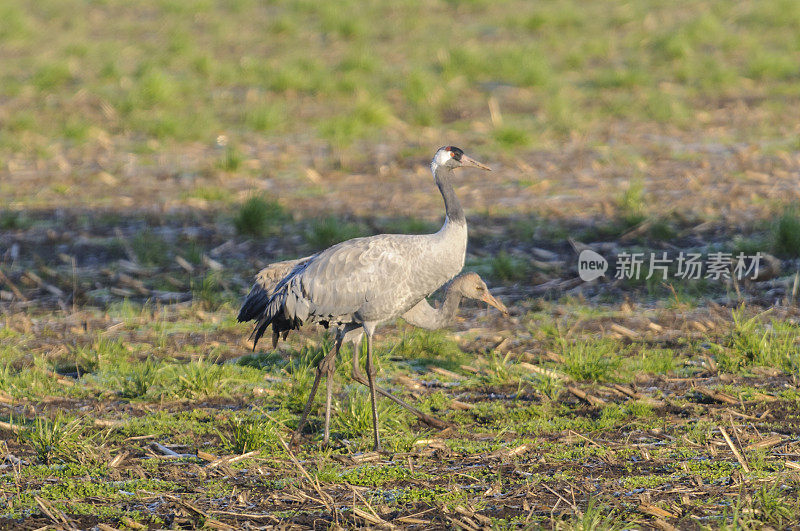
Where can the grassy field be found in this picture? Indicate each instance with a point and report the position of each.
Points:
(154, 155)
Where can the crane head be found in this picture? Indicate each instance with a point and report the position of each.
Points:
(453, 157)
(472, 286)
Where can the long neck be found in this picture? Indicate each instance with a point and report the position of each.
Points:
(452, 206)
(423, 315)
(447, 313)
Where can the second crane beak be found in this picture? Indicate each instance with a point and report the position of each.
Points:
(466, 161)
(488, 299)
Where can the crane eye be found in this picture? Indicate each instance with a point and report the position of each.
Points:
(452, 154)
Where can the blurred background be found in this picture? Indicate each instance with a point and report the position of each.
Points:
(312, 122)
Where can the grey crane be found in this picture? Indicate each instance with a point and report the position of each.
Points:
(423, 315)
(363, 282)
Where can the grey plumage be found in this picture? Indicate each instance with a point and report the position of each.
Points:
(365, 281)
(372, 279)
(421, 315)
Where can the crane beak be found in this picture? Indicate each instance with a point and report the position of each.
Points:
(466, 161)
(491, 301)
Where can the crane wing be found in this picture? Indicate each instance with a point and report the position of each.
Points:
(359, 280)
(361, 276)
(269, 277)
(266, 281)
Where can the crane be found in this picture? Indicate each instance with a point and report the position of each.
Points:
(363, 282)
(423, 315)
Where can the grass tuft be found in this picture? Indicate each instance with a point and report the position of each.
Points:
(786, 234)
(773, 507)
(54, 439)
(631, 204)
(150, 248)
(507, 267)
(231, 160)
(753, 343)
(209, 291)
(259, 216)
(245, 434)
(591, 360)
(596, 516)
(138, 379)
(354, 415)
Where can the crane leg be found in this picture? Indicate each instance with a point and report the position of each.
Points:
(329, 390)
(326, 367)
(359, 377)
(371, 379)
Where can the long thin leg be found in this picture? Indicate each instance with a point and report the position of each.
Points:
(356, 358)
(329, 386)
(371, 378)
(328, 398)
(322, 368)
(359, 377)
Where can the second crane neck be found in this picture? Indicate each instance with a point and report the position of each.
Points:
(452, 206)
(452, 300)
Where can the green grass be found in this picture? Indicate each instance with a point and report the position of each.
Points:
(376, 476)
(245, 434)
(136, 380)
(595, 516)
(773, 507)
(753, 342)
(327, 231)
(362, 120)
(501, 370)
(591, 360)
(661, 229)
(512, 137)
(786, 234)
(259, 216)
(406, 226)
(354, 417)
(150, 248)
(502, 266)
(632, 205)
(428, 346)
(144, 389)
(202, 379)
(651, 361)
(89, 358)
(509, 268)
(231, 160)
(209, 291)
(56, 440)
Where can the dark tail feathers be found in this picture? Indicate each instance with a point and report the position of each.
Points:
(254, 305)
(267, 309)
